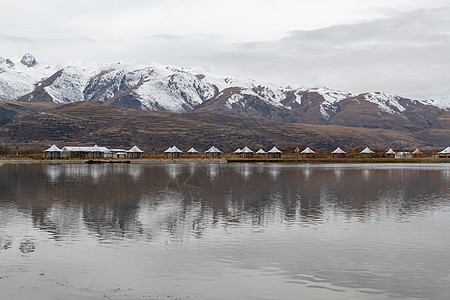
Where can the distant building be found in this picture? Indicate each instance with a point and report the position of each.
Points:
(173, 152)
(85, 152)
(119, 153)
(390, 153)
(53, 152)
(308, 153)
(403, 154)
(338, 153)
(213, 152)
(367, 153)
(246, 152)
(135, 152)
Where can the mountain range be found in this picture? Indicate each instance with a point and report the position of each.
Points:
(187, 90)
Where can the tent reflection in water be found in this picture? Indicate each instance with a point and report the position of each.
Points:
(213, 152)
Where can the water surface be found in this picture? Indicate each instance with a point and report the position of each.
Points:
(234, 231)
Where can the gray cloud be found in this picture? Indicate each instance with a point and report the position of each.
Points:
(406, 55)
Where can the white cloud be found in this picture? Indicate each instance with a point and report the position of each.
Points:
(397, 46)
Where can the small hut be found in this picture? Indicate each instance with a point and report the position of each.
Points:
(444, 153)
(135, 152)
(274, 153)
(53, 152)
(308, 153)
(246, 152)
(338, 153)
(390, 153)
(173, 152)
(367, 153)
(213, 152)
(260, 152)
(238, 151)
(192, 151)
(417, 153)
(403, 154)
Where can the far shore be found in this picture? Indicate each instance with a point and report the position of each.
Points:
(224, 160)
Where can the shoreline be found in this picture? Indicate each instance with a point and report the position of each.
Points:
(226, 160)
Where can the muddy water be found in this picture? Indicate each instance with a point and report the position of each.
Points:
(234, 231)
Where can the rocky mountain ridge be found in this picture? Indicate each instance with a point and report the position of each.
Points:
(167, 88)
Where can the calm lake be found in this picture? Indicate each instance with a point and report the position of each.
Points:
(225, 231)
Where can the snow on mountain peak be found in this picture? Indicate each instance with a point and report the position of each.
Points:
(28, 60)
(387, 102)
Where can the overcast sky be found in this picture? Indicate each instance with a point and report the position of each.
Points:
(396, 46)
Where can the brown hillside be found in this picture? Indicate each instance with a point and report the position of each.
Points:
(85, 123)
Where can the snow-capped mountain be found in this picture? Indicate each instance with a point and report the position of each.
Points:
(168, 88)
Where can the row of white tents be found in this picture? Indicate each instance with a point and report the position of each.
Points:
(92, 152)
(174, 152)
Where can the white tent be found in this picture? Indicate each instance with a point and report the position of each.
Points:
(238, 151)
(338, 151)
(173, 149)
(213, 150)
(367, 151)
(247, 150)
(53, 148)
(192, 151)
(307, 151)
(274, 150)
(390, 151)
(134, 152)
(445, 151)
(417, 152)
(261, 151)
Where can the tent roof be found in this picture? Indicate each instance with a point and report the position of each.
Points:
(53, 148)
(247, 150)
(238, 150)
(417, 151)
(367, 151)
(85, 149)
(308, 151)
(192, 150)
(261, 151)
(173, 149)
(213, 150)
(135, 149)
(445, 151)
(274, 150)
(338, 151)
(390, 151)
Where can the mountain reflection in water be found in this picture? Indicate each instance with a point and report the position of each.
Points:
(243, 215)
